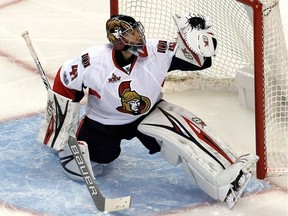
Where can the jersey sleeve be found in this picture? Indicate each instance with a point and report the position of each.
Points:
(69, 80)
(164, 50)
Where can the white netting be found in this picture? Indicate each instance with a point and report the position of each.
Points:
(232, 24)
(228, 25)
(276, 89)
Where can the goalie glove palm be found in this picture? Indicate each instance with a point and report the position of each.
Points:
(195, 34)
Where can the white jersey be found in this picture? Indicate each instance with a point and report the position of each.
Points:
(119, 95)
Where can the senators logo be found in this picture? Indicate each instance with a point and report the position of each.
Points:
(131, 101)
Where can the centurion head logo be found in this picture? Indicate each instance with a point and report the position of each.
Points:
(131, 101)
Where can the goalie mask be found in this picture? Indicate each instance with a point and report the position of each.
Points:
(124, 33)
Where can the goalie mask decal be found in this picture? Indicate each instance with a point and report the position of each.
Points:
(132, 102)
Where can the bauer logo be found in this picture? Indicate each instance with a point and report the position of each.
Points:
(83, 168)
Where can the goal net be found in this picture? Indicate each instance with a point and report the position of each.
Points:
(250, 41)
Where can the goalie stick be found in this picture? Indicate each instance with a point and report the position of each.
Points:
(102, 204)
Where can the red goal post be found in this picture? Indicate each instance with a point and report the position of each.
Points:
(251, 40)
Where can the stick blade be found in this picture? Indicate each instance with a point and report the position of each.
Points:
(117, 204)
(102, 204)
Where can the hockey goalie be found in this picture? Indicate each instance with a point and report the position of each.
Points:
(124, 79)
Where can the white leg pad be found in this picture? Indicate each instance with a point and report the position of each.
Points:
(205, 157)
(244, 163)
(216, 192)
(219, 188)
(170, 155)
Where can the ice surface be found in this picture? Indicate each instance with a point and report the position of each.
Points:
(31, 178)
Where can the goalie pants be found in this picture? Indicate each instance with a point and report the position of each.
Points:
(104, 140)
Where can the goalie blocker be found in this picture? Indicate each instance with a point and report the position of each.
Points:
(61, 118)
(209, 162)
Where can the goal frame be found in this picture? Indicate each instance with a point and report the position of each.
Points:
(258, 32)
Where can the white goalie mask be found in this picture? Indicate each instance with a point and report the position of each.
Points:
(195, 32)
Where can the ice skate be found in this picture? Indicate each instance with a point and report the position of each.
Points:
(237, 188)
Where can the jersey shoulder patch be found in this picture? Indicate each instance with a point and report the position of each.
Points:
(85, 60)
(164, 45)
